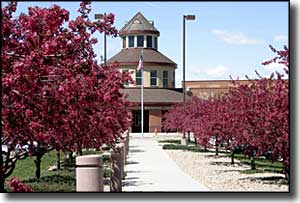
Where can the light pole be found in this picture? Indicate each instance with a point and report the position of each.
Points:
(101, 16)
(185, 17)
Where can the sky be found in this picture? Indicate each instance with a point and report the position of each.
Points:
(227, 38)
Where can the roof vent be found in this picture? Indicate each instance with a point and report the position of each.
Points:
(126, 22)
(151, 22)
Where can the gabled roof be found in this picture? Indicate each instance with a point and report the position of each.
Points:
(131, 56)
(138, 25)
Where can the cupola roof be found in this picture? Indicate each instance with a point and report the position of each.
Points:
(139, 25)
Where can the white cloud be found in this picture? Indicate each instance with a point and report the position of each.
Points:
(218, 71)
(235, 37)
(281, 38)
(272, 67)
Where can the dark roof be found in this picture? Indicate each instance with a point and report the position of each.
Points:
(154, 95)
(137, 24)
(131, 56)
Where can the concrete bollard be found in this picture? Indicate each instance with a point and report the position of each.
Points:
(116, 171)
(183, 141)
(121, 147)
(89, 173)
(127, 144)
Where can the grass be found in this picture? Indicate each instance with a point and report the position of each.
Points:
(174, 141)
(170, 141)
(25, 168)
(262, 165)
(51, 181)
(250, 171)
(183, 147)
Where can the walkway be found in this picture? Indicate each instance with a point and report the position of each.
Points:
(149, 168)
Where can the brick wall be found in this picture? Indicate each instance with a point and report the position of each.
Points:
(154, 120)
(213, 88)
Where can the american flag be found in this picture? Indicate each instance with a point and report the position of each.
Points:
(140, 66)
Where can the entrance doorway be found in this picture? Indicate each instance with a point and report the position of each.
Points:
(137, 121)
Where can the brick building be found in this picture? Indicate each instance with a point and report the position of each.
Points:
(210, 88)
(159, 73)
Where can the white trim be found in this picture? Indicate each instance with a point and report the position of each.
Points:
(135, 41)
(145, 41)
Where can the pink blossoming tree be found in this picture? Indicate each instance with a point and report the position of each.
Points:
(53, 91)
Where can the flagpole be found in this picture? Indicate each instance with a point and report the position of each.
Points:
(142, 94)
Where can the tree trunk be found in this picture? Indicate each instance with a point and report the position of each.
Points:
(2, 180)
(232, 155)
(70, 158)
(38, 166)
(195, 139)
(217, 150)
(252, 161)
(38, 162)
(58, 160)
(287, 173)
(189, 137)
(80, 152)
(217, 146)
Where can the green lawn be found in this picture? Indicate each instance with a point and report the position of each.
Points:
(263, 165)
(174, 141)
(183, 147)
(51, 181)
(26, 168)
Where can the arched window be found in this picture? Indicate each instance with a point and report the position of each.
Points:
(131, 41)
(155, 42)
(165, 79)
(140, 41)
(149, 41)
(153, 77)
(173, 80)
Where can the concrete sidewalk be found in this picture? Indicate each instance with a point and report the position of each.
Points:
(149, 168)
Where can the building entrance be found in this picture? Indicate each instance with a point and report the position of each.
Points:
(137, 121)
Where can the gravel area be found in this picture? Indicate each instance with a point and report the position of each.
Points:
(218, 174)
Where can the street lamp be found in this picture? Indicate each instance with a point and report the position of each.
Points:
(101, 16)
(185, 17)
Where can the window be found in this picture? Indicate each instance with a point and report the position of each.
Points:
(173, 81)
(126, 83)
(124, 42)
(155, 42)
(140, 41)
(153, 78)
(131, 41)
(138, 77)
(149, 41)
(165, 78)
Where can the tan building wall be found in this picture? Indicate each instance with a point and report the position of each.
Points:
(154, 120)
(147, 70)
